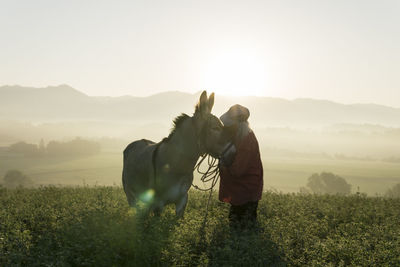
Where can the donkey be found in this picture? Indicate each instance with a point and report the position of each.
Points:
(162, 173)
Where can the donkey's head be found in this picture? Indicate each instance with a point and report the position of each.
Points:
(209, 127)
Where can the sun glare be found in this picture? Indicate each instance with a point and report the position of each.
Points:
(236, 73)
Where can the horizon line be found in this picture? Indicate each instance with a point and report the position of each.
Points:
(199, 92)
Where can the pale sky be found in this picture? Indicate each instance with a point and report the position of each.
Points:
(342, 50)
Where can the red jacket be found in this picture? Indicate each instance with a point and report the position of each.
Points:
(243, 180)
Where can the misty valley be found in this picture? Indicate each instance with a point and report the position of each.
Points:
(360, 143)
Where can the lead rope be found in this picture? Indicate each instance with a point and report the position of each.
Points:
(211, 174)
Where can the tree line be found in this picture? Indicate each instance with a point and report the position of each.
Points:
(75, 147)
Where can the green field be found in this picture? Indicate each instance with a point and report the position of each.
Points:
(281, 174)
(371, 177)
(104, 169)
(93, 226)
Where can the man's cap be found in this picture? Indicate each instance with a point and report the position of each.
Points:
(234, 115)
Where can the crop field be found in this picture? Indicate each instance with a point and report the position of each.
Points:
(93, 226)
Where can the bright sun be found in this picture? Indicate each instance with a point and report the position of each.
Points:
(236, 73)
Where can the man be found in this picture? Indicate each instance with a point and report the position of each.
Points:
(241, 169)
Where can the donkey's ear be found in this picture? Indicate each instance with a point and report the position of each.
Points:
(211, 101)
(202, 106)
(203, 98)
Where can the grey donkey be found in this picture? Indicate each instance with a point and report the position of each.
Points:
(162, 173)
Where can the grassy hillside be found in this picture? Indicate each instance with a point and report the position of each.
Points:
(93, 226)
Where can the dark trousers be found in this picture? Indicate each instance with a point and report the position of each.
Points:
(243, 216)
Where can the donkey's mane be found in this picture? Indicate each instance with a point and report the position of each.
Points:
(176, 124)
(197, 108)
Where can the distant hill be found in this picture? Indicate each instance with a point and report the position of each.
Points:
(59, 103)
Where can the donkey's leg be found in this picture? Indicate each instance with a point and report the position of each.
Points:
(158, 210)
(130, 195)
(157, 207)
(181, 205)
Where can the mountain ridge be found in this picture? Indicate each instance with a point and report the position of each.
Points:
(177, 92)
(64, 102)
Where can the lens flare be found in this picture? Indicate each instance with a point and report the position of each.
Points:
(147, 196)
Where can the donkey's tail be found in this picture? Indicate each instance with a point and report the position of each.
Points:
(128, 190)
(130, 195)
(126, 175)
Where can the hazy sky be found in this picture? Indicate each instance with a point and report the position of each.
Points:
(342, 50)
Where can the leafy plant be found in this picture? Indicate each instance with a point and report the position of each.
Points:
(94, 226)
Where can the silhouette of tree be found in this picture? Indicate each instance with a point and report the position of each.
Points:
(42, 147)
(327, 183)
(24, 148)
(74, 147)
(394, 192)
(14, 178)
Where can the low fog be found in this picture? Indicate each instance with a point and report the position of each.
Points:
(297, 138)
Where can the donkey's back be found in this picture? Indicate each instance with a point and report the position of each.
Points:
(137, 173)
